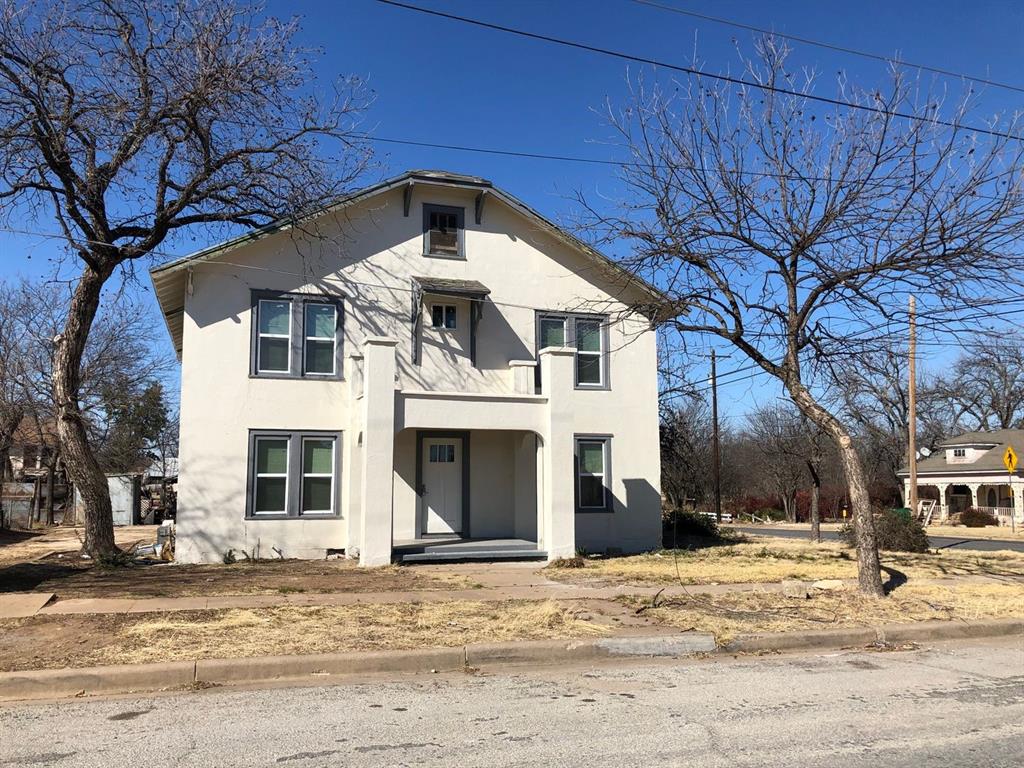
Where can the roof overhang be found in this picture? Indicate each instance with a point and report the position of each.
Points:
(170, 281)
(460, 289)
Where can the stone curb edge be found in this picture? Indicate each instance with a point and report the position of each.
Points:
(130, 678)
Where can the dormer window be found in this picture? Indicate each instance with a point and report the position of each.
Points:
(443, 231)
(959, 453)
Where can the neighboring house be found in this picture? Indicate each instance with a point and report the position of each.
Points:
(428, 369)
(968, 471)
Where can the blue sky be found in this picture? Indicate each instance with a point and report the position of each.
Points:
(439, 81)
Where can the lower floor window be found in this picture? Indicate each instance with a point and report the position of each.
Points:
(294, 474)
(592, 492)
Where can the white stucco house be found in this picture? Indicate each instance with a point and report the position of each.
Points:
(968, 471)
(428, 369)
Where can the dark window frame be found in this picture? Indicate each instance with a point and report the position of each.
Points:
(570, 319)
(444, 316)
(293, 484)
(609, 500)
(460, 216)
(297, 346)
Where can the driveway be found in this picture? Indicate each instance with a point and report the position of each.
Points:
(946, 706)
(939, 542)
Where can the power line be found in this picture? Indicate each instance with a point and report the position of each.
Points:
(696, 72)
(829, 46)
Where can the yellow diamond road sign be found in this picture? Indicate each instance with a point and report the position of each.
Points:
(1010, 459)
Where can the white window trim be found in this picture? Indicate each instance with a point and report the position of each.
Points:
(333, 338)
(599, 354)
(444, 312)
(257, 475)
(261, 335)
(580, 474)
(303, 475)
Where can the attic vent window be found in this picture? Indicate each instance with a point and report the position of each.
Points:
(959, 452)
(443, 231)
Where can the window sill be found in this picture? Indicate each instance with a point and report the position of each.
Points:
(445, 257)
(593, 387)
(298, 377)
(308, 516)
(594, 510)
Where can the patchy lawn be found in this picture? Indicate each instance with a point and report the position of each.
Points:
(265, 577)
(43, 642)
(775, 560)
(736, 613)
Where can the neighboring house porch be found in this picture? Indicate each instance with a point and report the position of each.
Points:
(967, 471)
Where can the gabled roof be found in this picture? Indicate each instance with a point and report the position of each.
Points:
(990, 461)
(169, 280)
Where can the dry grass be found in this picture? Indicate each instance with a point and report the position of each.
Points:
(235, 633)
(773, 560)
(738, 613)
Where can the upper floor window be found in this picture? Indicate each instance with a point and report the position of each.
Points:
(443, 316)
(296, 335)
(587, 333)
(960, 452)
(273, 348)
(444, 231)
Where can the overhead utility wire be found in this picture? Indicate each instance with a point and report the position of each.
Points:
(829, 46)
(696, 72)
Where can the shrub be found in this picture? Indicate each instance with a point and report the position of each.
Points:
(977, 518)
(895, 533)
(679, 525)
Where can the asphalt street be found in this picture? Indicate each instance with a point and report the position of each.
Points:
(944, 706)
(938, 542)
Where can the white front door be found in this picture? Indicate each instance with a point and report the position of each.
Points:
(442, 485)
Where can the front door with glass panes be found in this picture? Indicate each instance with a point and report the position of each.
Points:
(442, 485)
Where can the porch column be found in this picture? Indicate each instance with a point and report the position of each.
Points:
(558, 529)
(377, 472)
(943, 505)
(906, 495)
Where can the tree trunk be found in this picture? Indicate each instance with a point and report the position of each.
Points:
(815, 500)
(82, 467)
(869, 567)
(49, 492)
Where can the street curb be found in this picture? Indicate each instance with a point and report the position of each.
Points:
(129, 678)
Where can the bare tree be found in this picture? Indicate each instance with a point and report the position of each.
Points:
(793, 229)
(778, 433)
(126, 122)
(986, 384)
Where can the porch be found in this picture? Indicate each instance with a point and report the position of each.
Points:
(953, 496)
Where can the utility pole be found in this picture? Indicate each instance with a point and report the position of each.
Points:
(715, 458)
(912, 408)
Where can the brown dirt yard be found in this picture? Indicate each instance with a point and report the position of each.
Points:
(45, 562)
(733, 613)
(43, 642)
(764, 560)
(1000, 532)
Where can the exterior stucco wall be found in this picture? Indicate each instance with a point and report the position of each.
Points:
(369, 254)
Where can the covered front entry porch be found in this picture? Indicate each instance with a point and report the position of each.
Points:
(466, 495)
(951, 497)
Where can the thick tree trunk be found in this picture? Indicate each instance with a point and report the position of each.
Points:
(82, 467)
(869, 567)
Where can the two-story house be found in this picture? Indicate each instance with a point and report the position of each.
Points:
(968, 471)
(427, 369)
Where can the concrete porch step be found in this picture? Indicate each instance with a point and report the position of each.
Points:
(448, 550)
